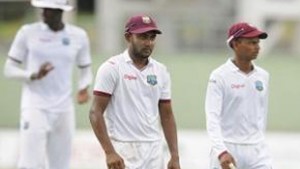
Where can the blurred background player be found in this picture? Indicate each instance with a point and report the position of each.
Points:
(237, 104)
(42, 56)
(132, 99)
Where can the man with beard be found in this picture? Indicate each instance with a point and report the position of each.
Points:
(42, 56)
(237, 104)
(132, 101)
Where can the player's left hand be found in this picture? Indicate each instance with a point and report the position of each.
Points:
(174, 163)
(83, 96)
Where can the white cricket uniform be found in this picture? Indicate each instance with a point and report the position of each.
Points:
(132, 115)
(236, 114)
(47, 119)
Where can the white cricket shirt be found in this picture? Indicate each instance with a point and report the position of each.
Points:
(133, 114)
(36, 44)
(236, 106)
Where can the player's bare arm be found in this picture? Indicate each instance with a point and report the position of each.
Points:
(113, 159)
(170, 132)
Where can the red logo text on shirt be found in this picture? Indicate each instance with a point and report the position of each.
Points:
(237, 86)
(130, 77)
(45, 39)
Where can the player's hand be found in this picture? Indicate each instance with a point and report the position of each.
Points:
(174, 163)
(43, 71)
(227, 161)
(83, 96)
(114, 161)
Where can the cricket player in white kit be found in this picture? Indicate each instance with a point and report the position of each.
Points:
(132, 101)
(237, 104)
(42, 56)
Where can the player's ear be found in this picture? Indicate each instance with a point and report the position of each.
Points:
(234, 43)
(127, 36)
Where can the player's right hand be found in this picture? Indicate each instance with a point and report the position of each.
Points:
(43, 71)
(114, 161)
(174, 163)
(226, 160)
(83, 96)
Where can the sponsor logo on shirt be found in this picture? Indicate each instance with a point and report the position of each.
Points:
(129, 77)
(152, 80)
(43, 39)
(237, 86)
(259, 85)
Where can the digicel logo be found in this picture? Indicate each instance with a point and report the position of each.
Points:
(237, 86)
(130, 77)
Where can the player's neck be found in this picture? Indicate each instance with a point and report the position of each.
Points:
(244, 65)
(139, 63)
(56, 27)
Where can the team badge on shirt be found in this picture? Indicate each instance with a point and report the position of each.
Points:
(151, 79)
(66, 41)
(259, 85)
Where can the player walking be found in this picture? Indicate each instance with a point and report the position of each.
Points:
(42, 56)
(237, 104)
(132, 99)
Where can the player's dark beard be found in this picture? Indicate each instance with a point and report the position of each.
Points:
(139, 53)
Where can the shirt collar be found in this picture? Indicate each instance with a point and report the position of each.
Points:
(234, 68)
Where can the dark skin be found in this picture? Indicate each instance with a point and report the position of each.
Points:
(53, 18)
(140, 47)
(245, 50)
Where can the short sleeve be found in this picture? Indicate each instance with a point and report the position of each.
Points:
(106, 79)
(166, 86)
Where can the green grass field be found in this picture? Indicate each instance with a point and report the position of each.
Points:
(189, 78)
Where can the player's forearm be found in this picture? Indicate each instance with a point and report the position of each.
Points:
(170, 132)
(99, 128)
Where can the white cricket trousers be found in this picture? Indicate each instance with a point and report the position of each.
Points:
(46, 139)
(141, 155)
(246, 156)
